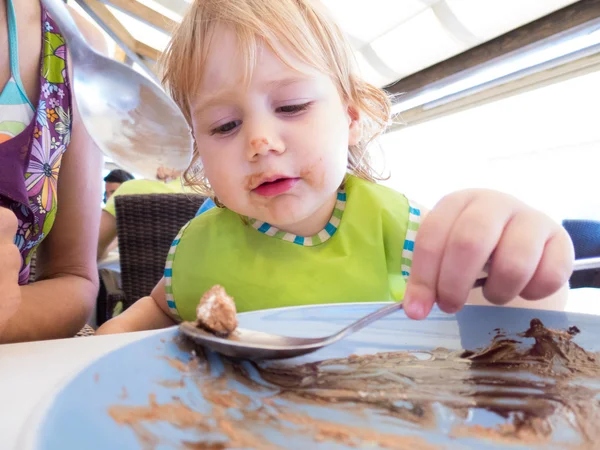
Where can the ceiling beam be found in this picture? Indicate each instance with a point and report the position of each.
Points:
(144, 13)
(548, 26)
(153, 66)
(117, 31)
(124, 36)
(120, 55)
(147, 51)
(98, 10)
(557, 70)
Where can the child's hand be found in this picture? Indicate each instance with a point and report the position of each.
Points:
(530, 255)
(10, 265)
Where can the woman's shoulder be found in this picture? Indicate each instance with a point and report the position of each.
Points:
(29, 37)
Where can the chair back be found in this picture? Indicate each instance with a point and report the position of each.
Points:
(585, 235)
(146, 227)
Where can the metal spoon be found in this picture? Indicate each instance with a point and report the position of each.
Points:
(129, 117)
(255, 345)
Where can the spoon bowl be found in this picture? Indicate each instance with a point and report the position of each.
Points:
(253, 345)
(256, 345)
(130, 117)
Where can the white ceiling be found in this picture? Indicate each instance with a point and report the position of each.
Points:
(396, 38)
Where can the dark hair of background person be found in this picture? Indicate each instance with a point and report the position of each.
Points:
(118, 176)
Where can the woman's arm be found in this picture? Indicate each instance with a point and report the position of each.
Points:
(59, 304)
(10, 265)
(148, 313)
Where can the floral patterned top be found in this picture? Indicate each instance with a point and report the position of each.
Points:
(30, 161)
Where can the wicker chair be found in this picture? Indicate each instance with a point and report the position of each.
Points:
(146, 227)
(585, 235)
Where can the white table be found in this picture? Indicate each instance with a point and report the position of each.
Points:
(32, 372)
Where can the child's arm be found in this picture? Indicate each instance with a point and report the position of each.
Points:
(148, 313)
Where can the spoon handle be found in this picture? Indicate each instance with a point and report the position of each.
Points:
(579, 264)
(586, 263)
(367, 320)
(68, 28)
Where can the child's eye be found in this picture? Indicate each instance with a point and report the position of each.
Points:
(226, 128)
(293, 109)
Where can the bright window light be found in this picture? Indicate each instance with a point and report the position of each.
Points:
(542, 146)
(141, 31)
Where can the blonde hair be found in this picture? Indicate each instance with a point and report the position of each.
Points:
(302, 27)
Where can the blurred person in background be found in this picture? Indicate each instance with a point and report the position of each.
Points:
(114, 180)
(168, 181)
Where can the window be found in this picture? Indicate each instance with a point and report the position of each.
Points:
(542, 146)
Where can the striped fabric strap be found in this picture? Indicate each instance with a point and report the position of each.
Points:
(414, 220)
(169, 274)
(324, 235)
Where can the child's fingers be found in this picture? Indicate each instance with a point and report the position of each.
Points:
(473, 238)
(517, 256)
(421, 289)
(531, 255)
(554, 269)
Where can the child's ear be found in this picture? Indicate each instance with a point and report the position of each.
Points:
(355, 126)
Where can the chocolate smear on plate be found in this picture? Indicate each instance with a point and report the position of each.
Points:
(537, 390)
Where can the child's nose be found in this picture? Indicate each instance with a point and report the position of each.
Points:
(262, 146)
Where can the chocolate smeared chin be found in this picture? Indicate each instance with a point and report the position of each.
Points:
(538, 388)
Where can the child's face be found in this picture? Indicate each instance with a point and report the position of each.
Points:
(275, 149)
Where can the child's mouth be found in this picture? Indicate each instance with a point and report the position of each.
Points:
(276, 187)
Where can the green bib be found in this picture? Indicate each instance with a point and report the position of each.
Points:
(362, 261)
